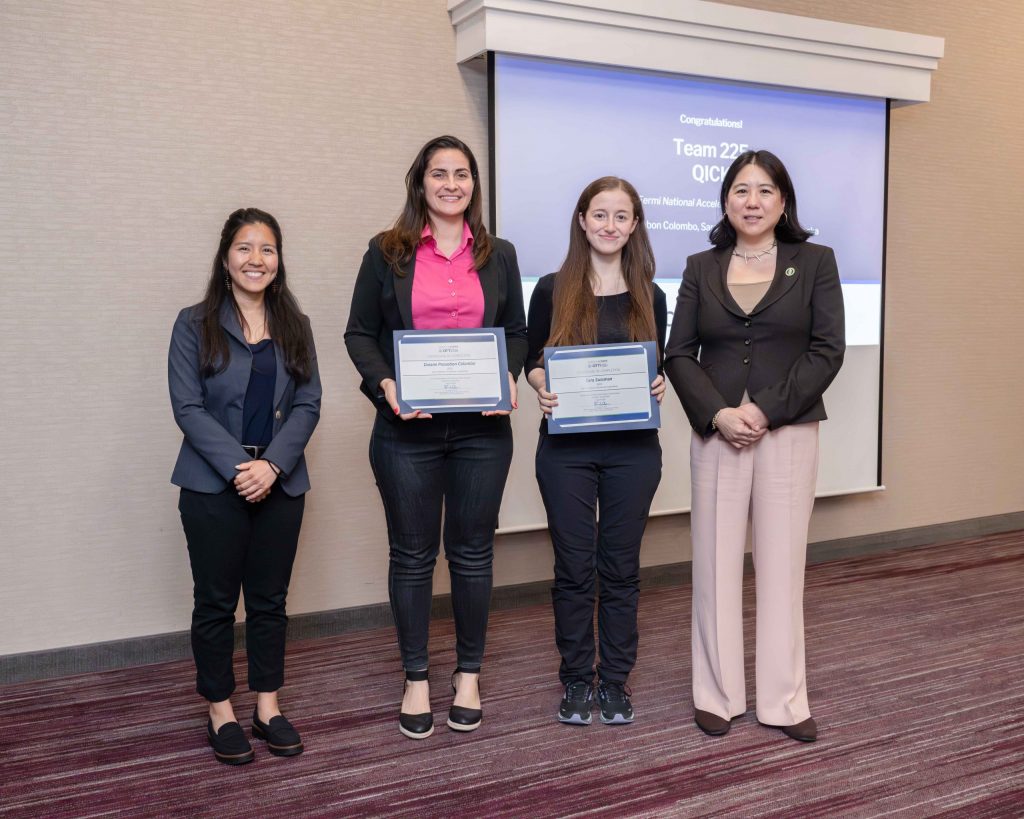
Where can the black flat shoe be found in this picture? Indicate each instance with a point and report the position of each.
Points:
(464, 719)
(229, 743)
(806, 731)
(416, 726)
(711, 724)
(281, 738)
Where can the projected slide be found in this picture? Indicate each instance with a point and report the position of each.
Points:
(561, 125)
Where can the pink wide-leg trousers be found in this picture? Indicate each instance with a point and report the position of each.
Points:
(771, 483)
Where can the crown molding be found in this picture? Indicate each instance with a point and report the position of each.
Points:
(704, 39)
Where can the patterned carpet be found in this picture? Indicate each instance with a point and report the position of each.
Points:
(916, 672)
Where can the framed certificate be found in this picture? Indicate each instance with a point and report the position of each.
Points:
(602, 387)
(452, 370)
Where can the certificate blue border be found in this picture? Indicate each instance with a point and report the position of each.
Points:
(611, 422)
(503, 401)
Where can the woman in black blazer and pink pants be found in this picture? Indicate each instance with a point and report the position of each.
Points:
(757, 337)
(437, 268)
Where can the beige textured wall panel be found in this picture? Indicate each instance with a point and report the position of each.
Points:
(129, 131)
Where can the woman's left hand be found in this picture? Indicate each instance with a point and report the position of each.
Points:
(658, 388)
(254, 480)
(513, 394)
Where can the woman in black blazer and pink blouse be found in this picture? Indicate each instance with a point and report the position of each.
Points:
(757, 337)
(437, 268)
(245, 391)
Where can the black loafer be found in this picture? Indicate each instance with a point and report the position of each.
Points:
(281, 738)
(711, 724)
(229, 743)
(464, 719)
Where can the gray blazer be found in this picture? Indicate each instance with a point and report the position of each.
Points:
(209, 410)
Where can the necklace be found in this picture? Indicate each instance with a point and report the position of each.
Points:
(755, 256)
(256, 337)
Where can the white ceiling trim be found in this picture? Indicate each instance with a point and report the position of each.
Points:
(704, 39)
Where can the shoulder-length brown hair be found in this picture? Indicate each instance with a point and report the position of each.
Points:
(574, 314)
(400, 241)
(284, 318)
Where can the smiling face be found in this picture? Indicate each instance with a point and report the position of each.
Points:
(447, 185)
(609, 222)
(754, 206)
(252, 259)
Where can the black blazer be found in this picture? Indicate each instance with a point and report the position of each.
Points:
(382, 303)
(784, 354)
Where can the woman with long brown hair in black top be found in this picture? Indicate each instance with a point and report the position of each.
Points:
(603, 293)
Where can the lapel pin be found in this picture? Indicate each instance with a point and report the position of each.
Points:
(790, 271)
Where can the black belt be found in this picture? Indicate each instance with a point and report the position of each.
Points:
(254, 451)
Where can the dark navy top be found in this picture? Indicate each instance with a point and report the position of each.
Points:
(258, 410)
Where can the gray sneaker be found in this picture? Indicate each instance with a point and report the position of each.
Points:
(577, 701)
(616, 709)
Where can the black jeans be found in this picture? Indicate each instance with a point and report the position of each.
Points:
(580, 475)
(460, 461)
(235, 545)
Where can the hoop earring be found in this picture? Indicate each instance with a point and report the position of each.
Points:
(785, 217)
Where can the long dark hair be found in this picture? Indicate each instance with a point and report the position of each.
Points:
(400, 241)
(574, 314)
(788, 229)
(284, 319)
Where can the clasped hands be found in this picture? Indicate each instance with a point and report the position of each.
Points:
(743, 425)
(254, 480)
(390, 389)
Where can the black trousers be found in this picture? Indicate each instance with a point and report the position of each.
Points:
(234, 545)
(581, 475)
(459, 462)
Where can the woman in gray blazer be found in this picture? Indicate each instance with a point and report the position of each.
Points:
(246, 394)
(756, 339)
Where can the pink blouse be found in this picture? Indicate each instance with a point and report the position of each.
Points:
(446, 292)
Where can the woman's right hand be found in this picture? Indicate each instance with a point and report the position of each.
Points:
(547, 400)
(733, 426)
(391, 396)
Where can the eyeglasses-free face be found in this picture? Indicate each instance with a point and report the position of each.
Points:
(447, 184)
(252, 259)
(609, 222)
(754, 206)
